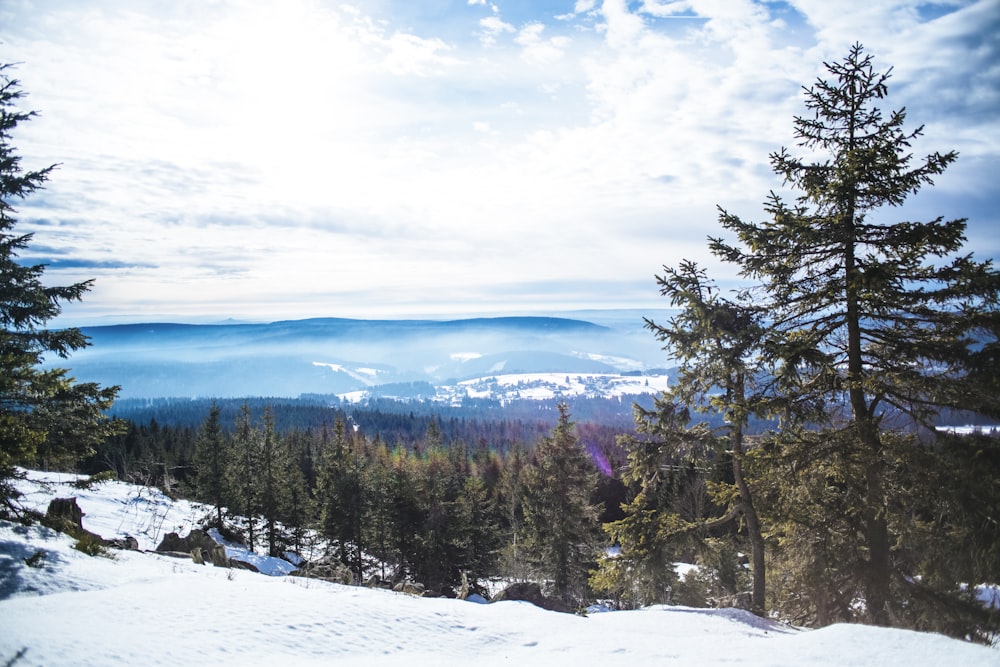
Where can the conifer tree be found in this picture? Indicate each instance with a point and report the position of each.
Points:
(46, 417)
(244, 471)
(510, 500)
(342, 497)
(297, 509)
(891, 320)
(561, 521)
(642, 572)
(718, 342)
(212, 459)
(273, 481)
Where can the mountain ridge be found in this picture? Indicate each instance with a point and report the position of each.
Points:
(324, 355)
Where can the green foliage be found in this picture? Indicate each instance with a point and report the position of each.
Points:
(244, 472)
(873, 324)
(938, 505)
(642, 572)
(92, 545)
(211, 458)
(93, 480)
(560, 520)
(45, 417)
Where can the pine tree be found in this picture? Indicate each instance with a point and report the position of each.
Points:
(888, 319)
(718, 342)
(46, 417)
(510, 498)
(342, 497)
(273, 482)
(642, 572)
(244, 471)
(212, 459)
(561, 521)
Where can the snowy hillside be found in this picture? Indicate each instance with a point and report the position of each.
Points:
(535, 386)
(145, 609)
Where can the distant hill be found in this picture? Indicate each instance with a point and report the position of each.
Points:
(336, 355)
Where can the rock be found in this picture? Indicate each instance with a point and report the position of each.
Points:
(197, 556)
(217, 556)
(328, 570)
(66, 511)
(65, 515)
(531, 592)
(199, 545)
(242, 565)
(196, 538)
(410, 588)
(127, 543)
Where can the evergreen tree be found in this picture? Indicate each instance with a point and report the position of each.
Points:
(649, 536)
(561, 522)
(244, 471)
(887, 319)
(380, 519)
(718, 342)
(46, 417)
(510, 500)
(212, 459)
(273, 482)
(298, 509)
(342, 498)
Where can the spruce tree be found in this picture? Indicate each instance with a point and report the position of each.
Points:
(342, 497)
(244, 471)
(890, 320)
(561, 521)
(212, 460)
(46, 417)
(718, 342)
(273, 482)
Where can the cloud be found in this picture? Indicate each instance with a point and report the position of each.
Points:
(538, 50)
(491, 28)
(385, 158)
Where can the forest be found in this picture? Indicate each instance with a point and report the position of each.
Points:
(795, 459)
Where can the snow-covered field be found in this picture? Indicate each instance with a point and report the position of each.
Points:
(145, 609)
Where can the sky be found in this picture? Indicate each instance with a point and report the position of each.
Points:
(390, 158)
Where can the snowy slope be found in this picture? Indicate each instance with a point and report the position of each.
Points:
(146, 609)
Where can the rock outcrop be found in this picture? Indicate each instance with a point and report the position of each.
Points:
(199, 545)
(531, 592)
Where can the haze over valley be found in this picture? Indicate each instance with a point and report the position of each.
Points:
(392, 358)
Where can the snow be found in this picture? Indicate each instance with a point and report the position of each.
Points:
(544, 386)
(969, 429)
(148, 609)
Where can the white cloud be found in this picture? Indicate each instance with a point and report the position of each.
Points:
(538, 50)
(491, 28)
(331, 156)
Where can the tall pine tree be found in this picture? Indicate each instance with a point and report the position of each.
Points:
(46, 417)
(891, 320)
(212, 459)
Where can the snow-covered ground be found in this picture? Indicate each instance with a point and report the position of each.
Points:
(145, 609)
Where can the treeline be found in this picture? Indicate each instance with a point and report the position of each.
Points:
(442, 512)
(160, 434)
(391, 419)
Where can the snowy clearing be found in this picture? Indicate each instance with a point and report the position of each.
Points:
(148, 609)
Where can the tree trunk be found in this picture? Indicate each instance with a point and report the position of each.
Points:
(757, 604)
(877, 574)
